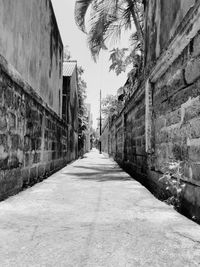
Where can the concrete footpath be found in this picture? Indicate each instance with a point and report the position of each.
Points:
(91, 213)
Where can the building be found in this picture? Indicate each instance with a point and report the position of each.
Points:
(33, 135)
(70, 106)
(32, 46)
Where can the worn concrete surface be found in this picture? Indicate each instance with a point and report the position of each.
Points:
(92, 214)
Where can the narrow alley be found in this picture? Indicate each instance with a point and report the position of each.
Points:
(91, 213)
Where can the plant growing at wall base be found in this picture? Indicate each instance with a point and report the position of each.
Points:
(173, 180)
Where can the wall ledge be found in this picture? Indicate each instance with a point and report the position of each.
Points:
(16, 77)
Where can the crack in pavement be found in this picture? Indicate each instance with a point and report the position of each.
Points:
(187, 237)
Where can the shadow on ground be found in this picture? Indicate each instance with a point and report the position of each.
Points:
(99, 174)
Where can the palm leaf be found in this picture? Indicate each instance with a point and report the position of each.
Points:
(108, 18)
(101, 23)
(81, 7)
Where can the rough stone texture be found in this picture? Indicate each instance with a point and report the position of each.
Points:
(192, 109)
(34, 141)
(119, 153)
(105, 138)
(124, 138)
(192, 70)
(196, 46)
(196, 171)
(194, 152)
(175, 120)
(195, 128)
(177, 126)
(135, 136)
(176, 123)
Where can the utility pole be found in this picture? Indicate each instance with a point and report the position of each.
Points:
(100, 125)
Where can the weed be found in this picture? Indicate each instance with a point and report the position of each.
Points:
(173, 180)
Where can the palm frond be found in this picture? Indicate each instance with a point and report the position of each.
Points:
(108, 19)
(81, 7)
(101, 23)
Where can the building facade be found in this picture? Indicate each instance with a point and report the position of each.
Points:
(70, 106)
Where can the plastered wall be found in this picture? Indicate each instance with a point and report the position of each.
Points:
(30, 41)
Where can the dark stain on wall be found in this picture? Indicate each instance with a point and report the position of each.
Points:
(55, 40)
(151, 34)
(169, 11)
(163, 18)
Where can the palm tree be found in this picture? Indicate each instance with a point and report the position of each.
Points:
(107, 19)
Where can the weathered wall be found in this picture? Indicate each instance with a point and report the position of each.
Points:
(119, 125)
(70, 112)
(33, 139)
(88, 132)
(176, 117)
(124, 137)
(135, 132)
(105, 138)
(73, 101)
(163, 19)
(162, 118)
(72, 144)
(31, 43)
(175, 103)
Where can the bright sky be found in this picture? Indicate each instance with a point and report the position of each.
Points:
(96, 75)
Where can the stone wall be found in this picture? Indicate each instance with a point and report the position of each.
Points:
(124, 136)
(162, 117)
(119, 125)
(105, 138)
(30, 41)
(174, 109)
(135, 132)
(176, 119)
(34, 140)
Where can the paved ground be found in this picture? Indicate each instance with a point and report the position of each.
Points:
(92, 214)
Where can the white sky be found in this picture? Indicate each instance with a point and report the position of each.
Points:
(96, 75)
